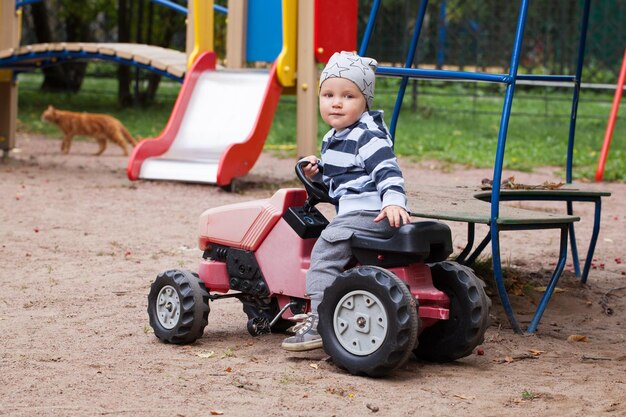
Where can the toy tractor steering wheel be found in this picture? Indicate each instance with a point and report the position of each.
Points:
(317, 191)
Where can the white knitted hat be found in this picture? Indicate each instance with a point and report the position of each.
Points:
(359, 70)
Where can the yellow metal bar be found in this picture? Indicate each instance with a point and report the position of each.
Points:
(286, 65)
(203, 29)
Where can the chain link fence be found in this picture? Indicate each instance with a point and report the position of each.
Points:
(478, 35)
(475, 35)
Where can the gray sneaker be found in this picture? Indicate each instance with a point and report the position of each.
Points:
(306, 337)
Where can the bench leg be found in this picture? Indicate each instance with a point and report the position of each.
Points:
(572, 239)
(468, 247)
(479, 249)
(594, 239)
(497, 275)
(543, 303)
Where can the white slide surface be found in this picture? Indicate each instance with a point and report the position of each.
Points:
(222, 110)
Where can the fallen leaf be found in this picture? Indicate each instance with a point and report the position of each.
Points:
(229, 369)
(216, 413)
(314, 365)
(536, 352)
(577, 338)
(205, 354)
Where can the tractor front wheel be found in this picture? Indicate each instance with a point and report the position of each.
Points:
(178, 307)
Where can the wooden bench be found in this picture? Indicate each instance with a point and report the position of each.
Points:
(461, 204)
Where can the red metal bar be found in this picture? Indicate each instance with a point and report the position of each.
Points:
(611, 124)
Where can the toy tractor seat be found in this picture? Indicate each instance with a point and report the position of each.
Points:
(426, 241)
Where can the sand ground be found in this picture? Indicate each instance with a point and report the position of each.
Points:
(81, 245)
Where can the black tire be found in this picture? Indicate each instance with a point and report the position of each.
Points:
(344, 324)
(456, 337)
(178, 307)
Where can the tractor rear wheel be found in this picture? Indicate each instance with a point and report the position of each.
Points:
(368, 321)
(455, 338)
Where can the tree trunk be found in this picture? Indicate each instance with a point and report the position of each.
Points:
(124, 96)
(67, 77)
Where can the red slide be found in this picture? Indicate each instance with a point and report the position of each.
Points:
(216, 130)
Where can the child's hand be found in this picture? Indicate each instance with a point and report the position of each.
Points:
(396, 215)
(312, 169)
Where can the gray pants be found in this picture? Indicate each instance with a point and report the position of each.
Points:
(332, 251)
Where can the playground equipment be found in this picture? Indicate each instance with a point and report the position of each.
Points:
(15, 59)
(9, 38)
(619, 89)
(222, 116)
(257, 31)
(441, 206)
(259, 251)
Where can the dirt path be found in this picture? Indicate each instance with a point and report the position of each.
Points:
(81, 245)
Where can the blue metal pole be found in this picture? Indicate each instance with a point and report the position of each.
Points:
(543, 303)
(177, 7)
(594, 239)
(497, 169)
(443, 31)
(443, 74)
(408, 64)
(23, 3)
(171, 5)
(369, 28)
(576, 94)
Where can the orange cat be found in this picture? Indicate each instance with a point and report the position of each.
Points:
(98, 126)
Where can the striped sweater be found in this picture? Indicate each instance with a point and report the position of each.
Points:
(360, 167)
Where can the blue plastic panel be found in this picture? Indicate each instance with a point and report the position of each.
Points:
(264, 39)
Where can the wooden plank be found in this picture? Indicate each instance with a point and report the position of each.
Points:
(105, 50)
(159, 65)
(173, 62)
(5, 53)
(74, 46)
(57, 46)
(177, 71)
(40, 47)
(91, 47)
(141, 59)
(23, 50)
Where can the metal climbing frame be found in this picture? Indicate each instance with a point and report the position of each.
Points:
(509, 80)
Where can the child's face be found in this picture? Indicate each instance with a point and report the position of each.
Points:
(341, 102)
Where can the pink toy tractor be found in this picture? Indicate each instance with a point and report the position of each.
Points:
(399, 296)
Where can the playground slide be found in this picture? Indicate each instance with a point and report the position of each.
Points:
(216, 130)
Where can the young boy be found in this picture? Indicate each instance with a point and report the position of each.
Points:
(361, 172)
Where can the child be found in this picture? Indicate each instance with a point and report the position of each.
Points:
(361, 172)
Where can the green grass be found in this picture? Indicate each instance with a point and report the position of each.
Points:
(450, 124)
